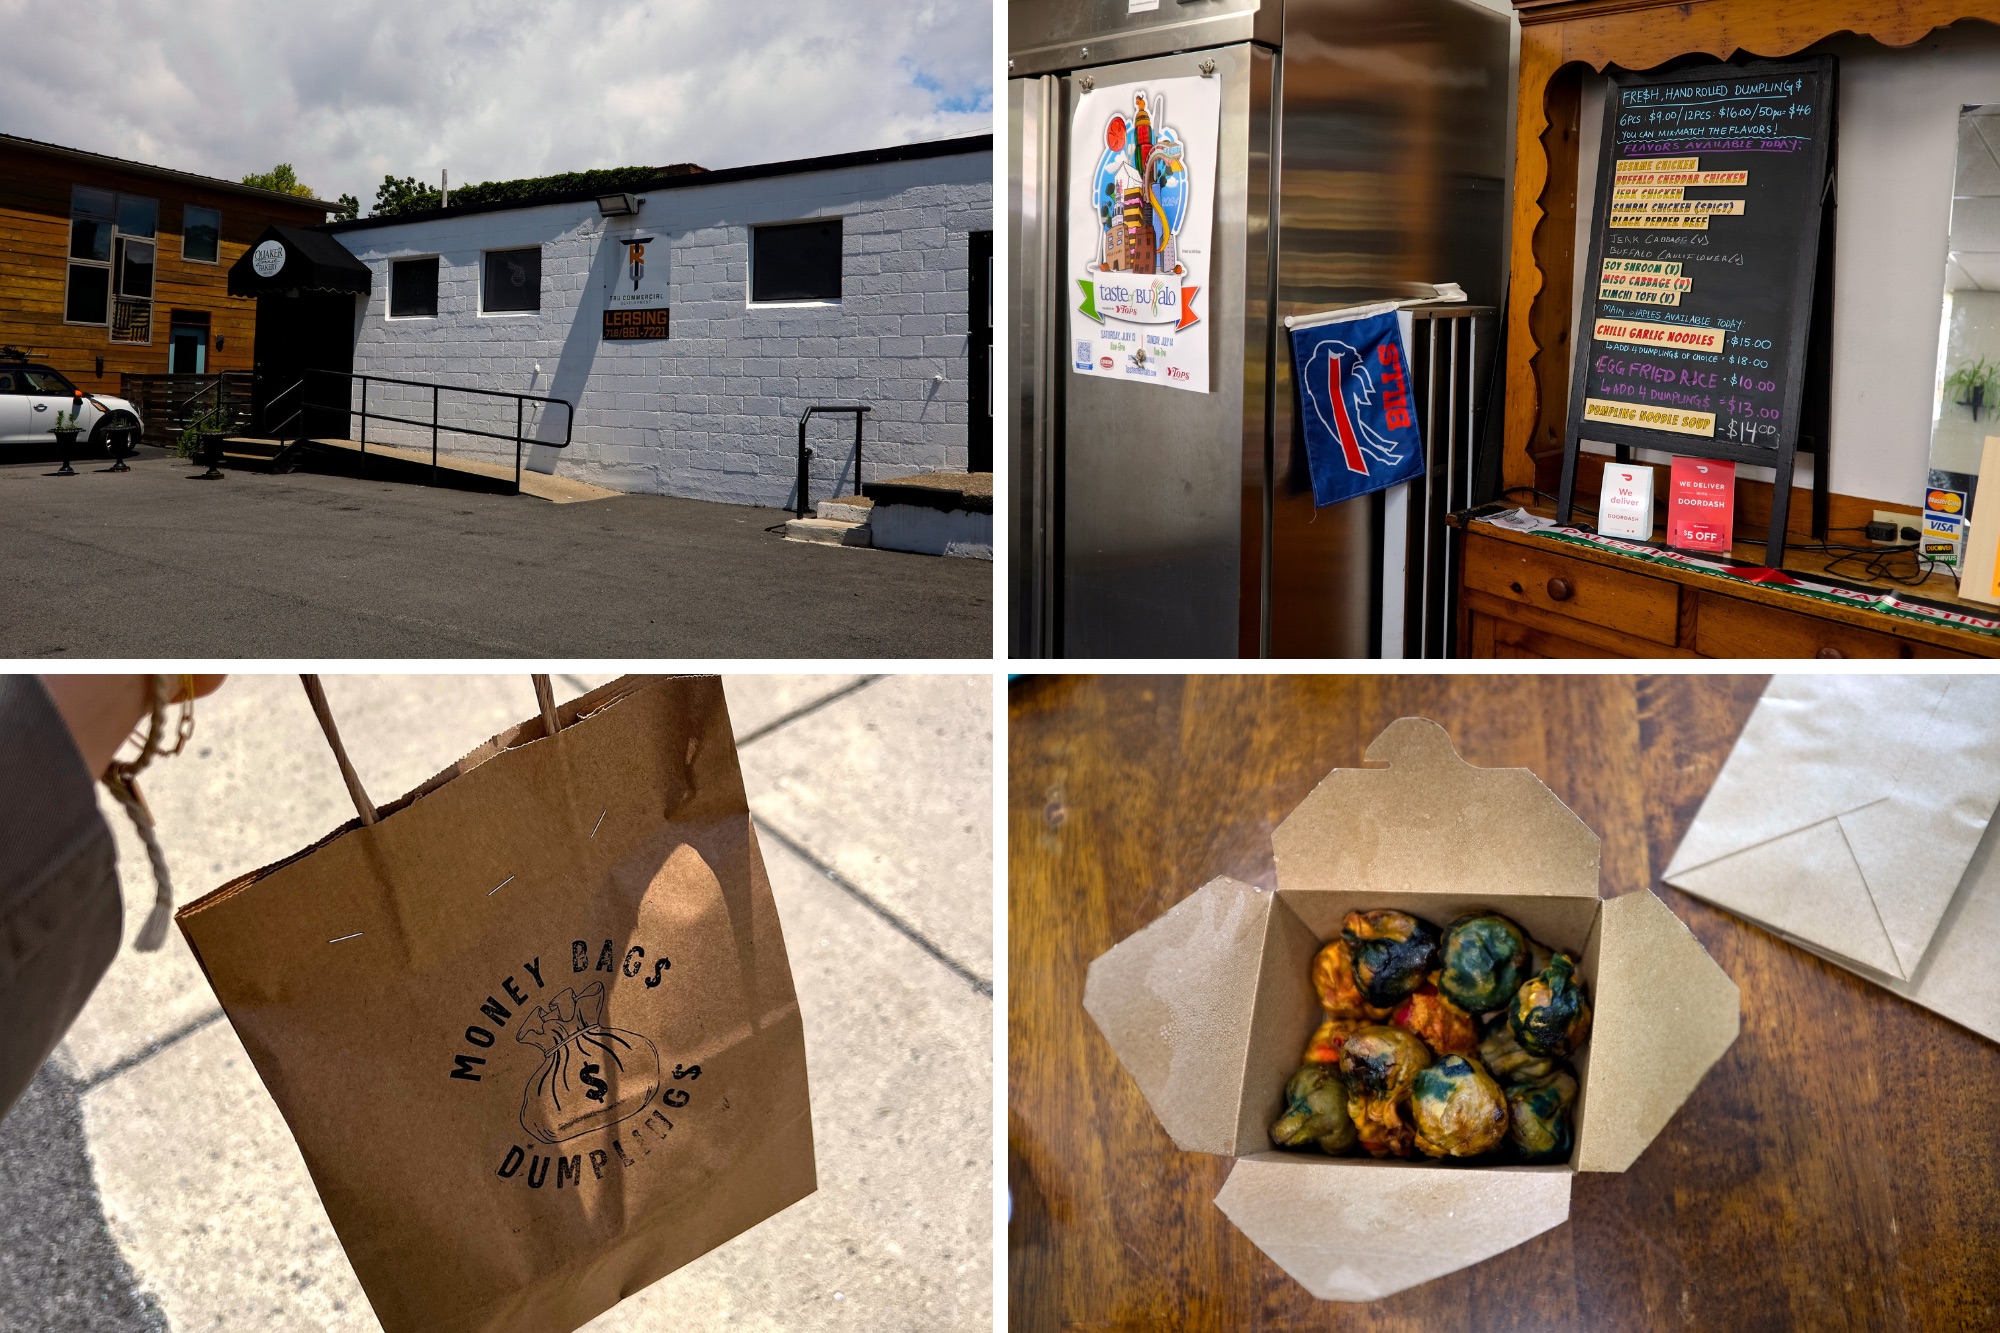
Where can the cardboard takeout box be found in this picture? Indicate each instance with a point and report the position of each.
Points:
(1209, 1007)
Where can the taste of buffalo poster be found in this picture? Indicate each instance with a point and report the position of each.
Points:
(1141, 206)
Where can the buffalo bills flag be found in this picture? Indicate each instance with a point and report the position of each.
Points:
(1356, 404)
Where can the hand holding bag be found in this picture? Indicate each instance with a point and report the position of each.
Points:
(532, 1025)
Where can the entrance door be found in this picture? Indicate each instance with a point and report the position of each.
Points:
(187, 346)
(979, 404)
(296, 333)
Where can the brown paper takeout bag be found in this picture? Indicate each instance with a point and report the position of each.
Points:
(1208, 1008)
(533, 1028)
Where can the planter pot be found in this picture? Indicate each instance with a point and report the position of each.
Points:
(211, 454)
(66, 441)
(124, 443)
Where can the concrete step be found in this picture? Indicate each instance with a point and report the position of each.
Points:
(827, 532)
(846, 508)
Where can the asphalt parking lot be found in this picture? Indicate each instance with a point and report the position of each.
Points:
(150, 563)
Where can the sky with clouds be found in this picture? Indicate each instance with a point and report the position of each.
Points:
(348, 90)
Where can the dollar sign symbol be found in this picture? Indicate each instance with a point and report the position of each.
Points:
(590, 1080)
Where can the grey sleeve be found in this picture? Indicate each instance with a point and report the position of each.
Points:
(61, 915)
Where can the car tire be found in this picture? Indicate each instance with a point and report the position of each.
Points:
(100, 434)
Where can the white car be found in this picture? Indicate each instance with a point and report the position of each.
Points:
(31, 395)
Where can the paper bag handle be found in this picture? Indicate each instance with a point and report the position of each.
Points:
(545, 695)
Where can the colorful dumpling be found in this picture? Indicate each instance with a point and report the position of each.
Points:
(1333, 978)
(1445, 1028)
(1324, 1048)
(1507, 1062)
(1550, 1015)
(1459, 1110)
(1315, 1112)
(1538, 1117)
(1484, 961)
(1378, 1065)
(1393, 953)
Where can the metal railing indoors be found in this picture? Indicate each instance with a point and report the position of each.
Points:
(1452, 364)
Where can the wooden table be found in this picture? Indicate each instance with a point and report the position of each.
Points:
(1831, 1172)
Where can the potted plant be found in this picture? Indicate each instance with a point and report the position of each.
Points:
(1972, 385)
(65, 433)
(201, 440)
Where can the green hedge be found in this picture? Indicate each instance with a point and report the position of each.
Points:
(395, 197)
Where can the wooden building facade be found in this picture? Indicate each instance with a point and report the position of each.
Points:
(112, 268)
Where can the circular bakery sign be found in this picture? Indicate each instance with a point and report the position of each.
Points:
(267, 259)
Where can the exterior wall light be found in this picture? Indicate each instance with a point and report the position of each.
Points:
(617, 205)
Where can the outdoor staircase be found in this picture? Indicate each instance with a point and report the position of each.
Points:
(842, 521)
(259, 454)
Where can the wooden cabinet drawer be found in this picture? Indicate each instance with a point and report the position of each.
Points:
(1732, 627)
(1495, 636)
(1632, 604)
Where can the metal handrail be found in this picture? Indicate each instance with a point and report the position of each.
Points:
(805, 454)
(220, 388)
(520, 407)
(278, 432)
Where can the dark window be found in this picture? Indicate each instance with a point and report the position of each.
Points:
(137, 216)
(798, 261)
(111, 262)
(513, 280)
(413, 286)
(89, 294)
(8, 382)
(40, 379)
(135, 268)
(90, 238)
(201, 234)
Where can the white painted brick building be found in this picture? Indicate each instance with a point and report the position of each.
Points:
(712, 411)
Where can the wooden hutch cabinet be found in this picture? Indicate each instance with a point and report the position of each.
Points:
(1522, 595)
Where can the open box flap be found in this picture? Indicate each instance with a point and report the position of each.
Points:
(1663, 1013)
(1175, 1001)
(1358, 1231)
(1432, 823)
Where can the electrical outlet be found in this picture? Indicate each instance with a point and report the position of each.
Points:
(1897, 521)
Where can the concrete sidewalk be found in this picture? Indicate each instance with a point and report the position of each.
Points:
(147, 1181)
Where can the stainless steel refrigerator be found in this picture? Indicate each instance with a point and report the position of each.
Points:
(1361, 150)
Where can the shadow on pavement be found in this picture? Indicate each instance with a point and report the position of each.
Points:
(60, 1271)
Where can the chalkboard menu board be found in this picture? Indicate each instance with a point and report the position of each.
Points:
(1711, 186)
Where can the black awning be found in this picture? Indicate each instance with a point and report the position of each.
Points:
(287, 259)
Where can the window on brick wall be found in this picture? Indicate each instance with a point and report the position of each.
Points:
(513, 281)
(413, 287)
(795, 261)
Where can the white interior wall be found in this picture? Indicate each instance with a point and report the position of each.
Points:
(1898, 150)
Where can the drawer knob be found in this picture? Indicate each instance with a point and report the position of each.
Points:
(1831, 652)
(1560, 590)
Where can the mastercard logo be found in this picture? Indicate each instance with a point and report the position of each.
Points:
(1944, 502)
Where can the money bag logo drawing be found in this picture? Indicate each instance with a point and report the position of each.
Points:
(591, 1075)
